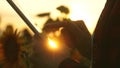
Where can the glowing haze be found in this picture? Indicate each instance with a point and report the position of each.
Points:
(87, 10)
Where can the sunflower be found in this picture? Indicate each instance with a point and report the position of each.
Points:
(11, 49)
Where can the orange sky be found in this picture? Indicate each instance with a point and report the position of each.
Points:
(87, 10)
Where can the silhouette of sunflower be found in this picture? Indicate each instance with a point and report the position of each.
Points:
(11, 49)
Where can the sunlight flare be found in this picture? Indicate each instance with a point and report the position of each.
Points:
(52, 44)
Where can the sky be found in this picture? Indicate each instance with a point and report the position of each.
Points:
(86, 10)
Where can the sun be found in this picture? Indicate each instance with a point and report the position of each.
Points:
(52, 44)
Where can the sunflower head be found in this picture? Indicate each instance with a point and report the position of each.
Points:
(11, 45)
